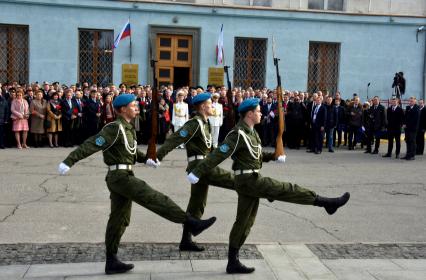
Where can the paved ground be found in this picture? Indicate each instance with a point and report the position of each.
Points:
(386, 210)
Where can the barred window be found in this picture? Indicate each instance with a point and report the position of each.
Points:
(323, 73)
(95, 56)
(14, 53)
(333, 5)
(250, 62)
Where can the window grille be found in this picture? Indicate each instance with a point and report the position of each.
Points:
(95, 56)
(323, 73)
(250, 63)
(14, 53)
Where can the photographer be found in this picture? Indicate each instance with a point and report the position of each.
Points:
(398, 85)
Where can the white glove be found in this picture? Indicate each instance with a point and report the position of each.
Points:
(63, 168)
(363, 128)
(152, 163)
(192, 178)
(272, 114)
(281, 159)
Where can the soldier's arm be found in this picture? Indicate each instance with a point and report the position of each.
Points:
(179, 137)
(100, 141)
(140, 156)
(225, 150)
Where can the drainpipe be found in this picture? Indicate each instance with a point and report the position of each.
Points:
(419, 30)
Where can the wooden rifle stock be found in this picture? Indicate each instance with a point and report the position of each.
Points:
(279, 146)
(152, 148)
(230, 119)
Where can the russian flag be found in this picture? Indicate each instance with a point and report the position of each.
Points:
(219, 47)
(125, 32)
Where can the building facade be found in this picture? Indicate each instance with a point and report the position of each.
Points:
(322, 44)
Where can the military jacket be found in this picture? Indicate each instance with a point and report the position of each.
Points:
(117, 148)
(243, 145)
(195, 134)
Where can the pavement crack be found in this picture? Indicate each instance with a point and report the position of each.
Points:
(304, 219)
(11, 214)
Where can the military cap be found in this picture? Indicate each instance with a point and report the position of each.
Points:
(248, 104)
(123, 100)
(199, 98)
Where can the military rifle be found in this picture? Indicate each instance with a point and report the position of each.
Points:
(279, 146)
(152, 148)
(230, 119)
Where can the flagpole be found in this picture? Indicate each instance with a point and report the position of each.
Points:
(130, 43)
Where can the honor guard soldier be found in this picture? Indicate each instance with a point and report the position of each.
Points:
(243, 145)
(195, 134)
(117, 141)
(180, 113)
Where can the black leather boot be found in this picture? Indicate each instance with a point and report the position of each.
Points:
(234, 264)
(186, 244)
(331, 204)
(197, 226)
(114, 265)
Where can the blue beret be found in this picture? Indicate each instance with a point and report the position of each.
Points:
(123, 100)
(248, 104)
(200, 98)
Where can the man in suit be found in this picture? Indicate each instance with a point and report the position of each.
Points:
(340, 123)
(354, 117)
(294, 121)
(420, 140)
(378, 113)
(331, 122)
(411, 124)
(318, 124)
(268, 111)
(91, 113)
(68, 117)
(78, 122)
(395, 120)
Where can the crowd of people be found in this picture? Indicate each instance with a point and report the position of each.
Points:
(59, 115)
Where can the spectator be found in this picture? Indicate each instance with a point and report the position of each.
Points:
(4, 117)
(379, 122)
(38, 110)
(20, 114)
(330, 123)
(108, 113)
(354, 117)
(395, 120)
(411, 125)
(216, 120)
(69, 115)
(420, 141)
(92, 114)
(163, 121)
(54, 116)
(180, 113)
(318, 124)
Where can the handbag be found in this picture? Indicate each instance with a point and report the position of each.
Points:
(167, 116)
(47, 124)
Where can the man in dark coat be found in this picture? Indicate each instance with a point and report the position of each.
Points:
(340, 123)
(68, 116)
(318, 123)
(91, 114)
(4, 117)
(354, 117)
(294, 120)
(395, 117)
(378, 113)
(331, 123)
(411, 125)
(420, 141)
(268, 112)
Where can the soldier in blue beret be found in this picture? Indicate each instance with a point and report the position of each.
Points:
(196, 135)
(244, 146)
(117, 141)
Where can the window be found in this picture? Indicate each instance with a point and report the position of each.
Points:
(250, 62)
(14, 53)
(323, 69)
(332, 5)
(95, 56)
(258, 3)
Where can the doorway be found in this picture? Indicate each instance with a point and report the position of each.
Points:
(174, 55)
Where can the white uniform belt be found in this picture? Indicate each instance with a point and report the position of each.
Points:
(120, 167)
(195, 158)
(249, 171)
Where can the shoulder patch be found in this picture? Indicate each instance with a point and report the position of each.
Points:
(183, 132)
(224, 148)
(100, 141)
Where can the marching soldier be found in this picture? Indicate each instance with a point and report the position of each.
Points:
(180, 113)
(195, 134)
(244, 146)
(117, 140)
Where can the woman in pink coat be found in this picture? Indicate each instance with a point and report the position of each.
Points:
(20, 114)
